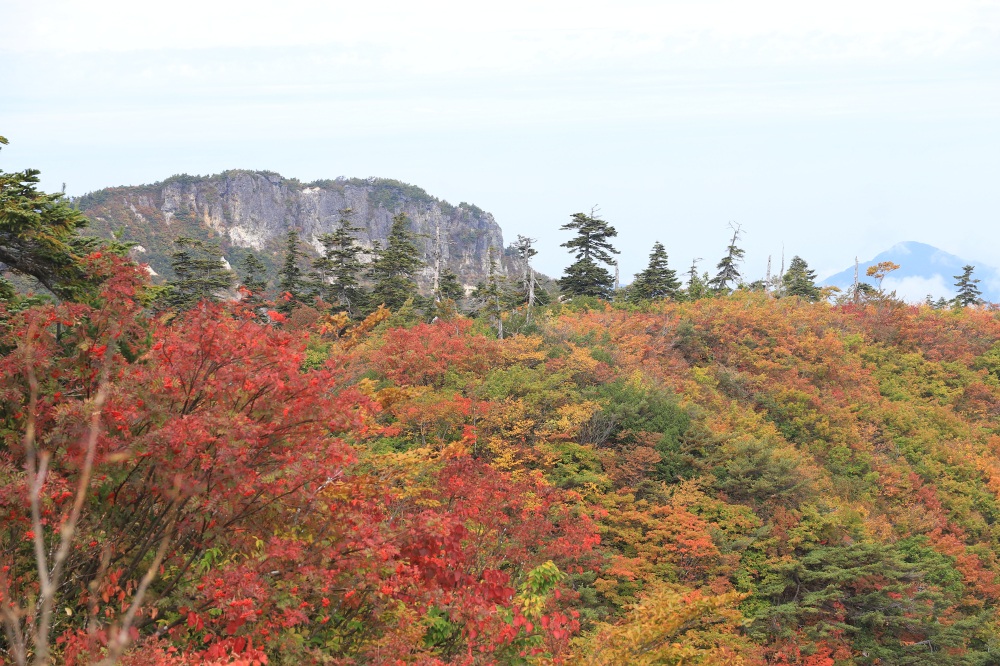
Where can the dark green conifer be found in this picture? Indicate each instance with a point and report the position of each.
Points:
(729, 272)
(254, 274)
(449, 286)
(291, 284)
(40, 237)
(968, 292)
(798, 280)
(658, 280)
(395, 266)
(337, 272)
(199, 273)
(586, 277)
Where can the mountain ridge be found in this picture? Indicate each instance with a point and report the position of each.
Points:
(252, 211)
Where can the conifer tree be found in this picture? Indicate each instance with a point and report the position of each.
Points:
(254, 274)
(199, 273)
(291, 284)
(798, 280)
(449, 287)
(336, 273)
(40, 237)
(658, 280)
(697, 286)
(394, 266)
(586, 277)
(968, 292)
(492, 293)
(728, 267)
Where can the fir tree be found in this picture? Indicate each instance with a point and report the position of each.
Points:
(394, 266)
(254, 274)
(449, 287)
(585, 277)
(199, 273)
(291, 285)
(968, 292)
(336, 273)
(798, 280)
(728, 266)
(658, 280)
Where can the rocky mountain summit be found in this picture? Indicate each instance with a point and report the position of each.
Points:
(252, 211)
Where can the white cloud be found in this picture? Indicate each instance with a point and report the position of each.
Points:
(915, 288)
(491, 32)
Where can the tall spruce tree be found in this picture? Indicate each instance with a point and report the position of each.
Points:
(449, 288)
(586, 277)
(728, 267)
(799, 281)
(199, 274)
(968, 292)
(254, 276)
(394, 266)
(337, 271)
(658, 280)
(292, 286)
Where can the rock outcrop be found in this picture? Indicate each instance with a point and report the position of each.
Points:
(253, 211)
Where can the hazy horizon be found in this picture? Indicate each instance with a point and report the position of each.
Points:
(833, 132)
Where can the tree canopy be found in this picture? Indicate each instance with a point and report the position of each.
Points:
(591, 248)
(658, 280)
(799, 280)
(395, 266)
(40, 236)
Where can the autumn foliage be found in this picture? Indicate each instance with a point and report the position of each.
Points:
(737, 480)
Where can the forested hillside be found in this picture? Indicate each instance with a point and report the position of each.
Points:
(770, 480)
(707, 475)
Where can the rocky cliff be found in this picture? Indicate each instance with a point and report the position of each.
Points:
(252, 211)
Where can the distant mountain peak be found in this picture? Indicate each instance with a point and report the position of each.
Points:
(924, 270)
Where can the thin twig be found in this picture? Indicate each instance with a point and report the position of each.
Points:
(122, 637)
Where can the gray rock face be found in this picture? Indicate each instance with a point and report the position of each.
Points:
(254, 210)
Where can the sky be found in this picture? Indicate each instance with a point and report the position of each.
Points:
(826, 130)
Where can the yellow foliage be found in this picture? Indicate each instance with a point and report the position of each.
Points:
(523, 350)
(570, 418)
(671, 625)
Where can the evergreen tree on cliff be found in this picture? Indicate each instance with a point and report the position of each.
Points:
(968, 292)
(586, 277)
(394, 266)
(291, 283)
(658, 280)
(254, 276)
(337, 271)
(449, 288)
(799, 281)
(199, 274)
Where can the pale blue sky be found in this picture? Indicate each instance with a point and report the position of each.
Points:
(833, 132)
